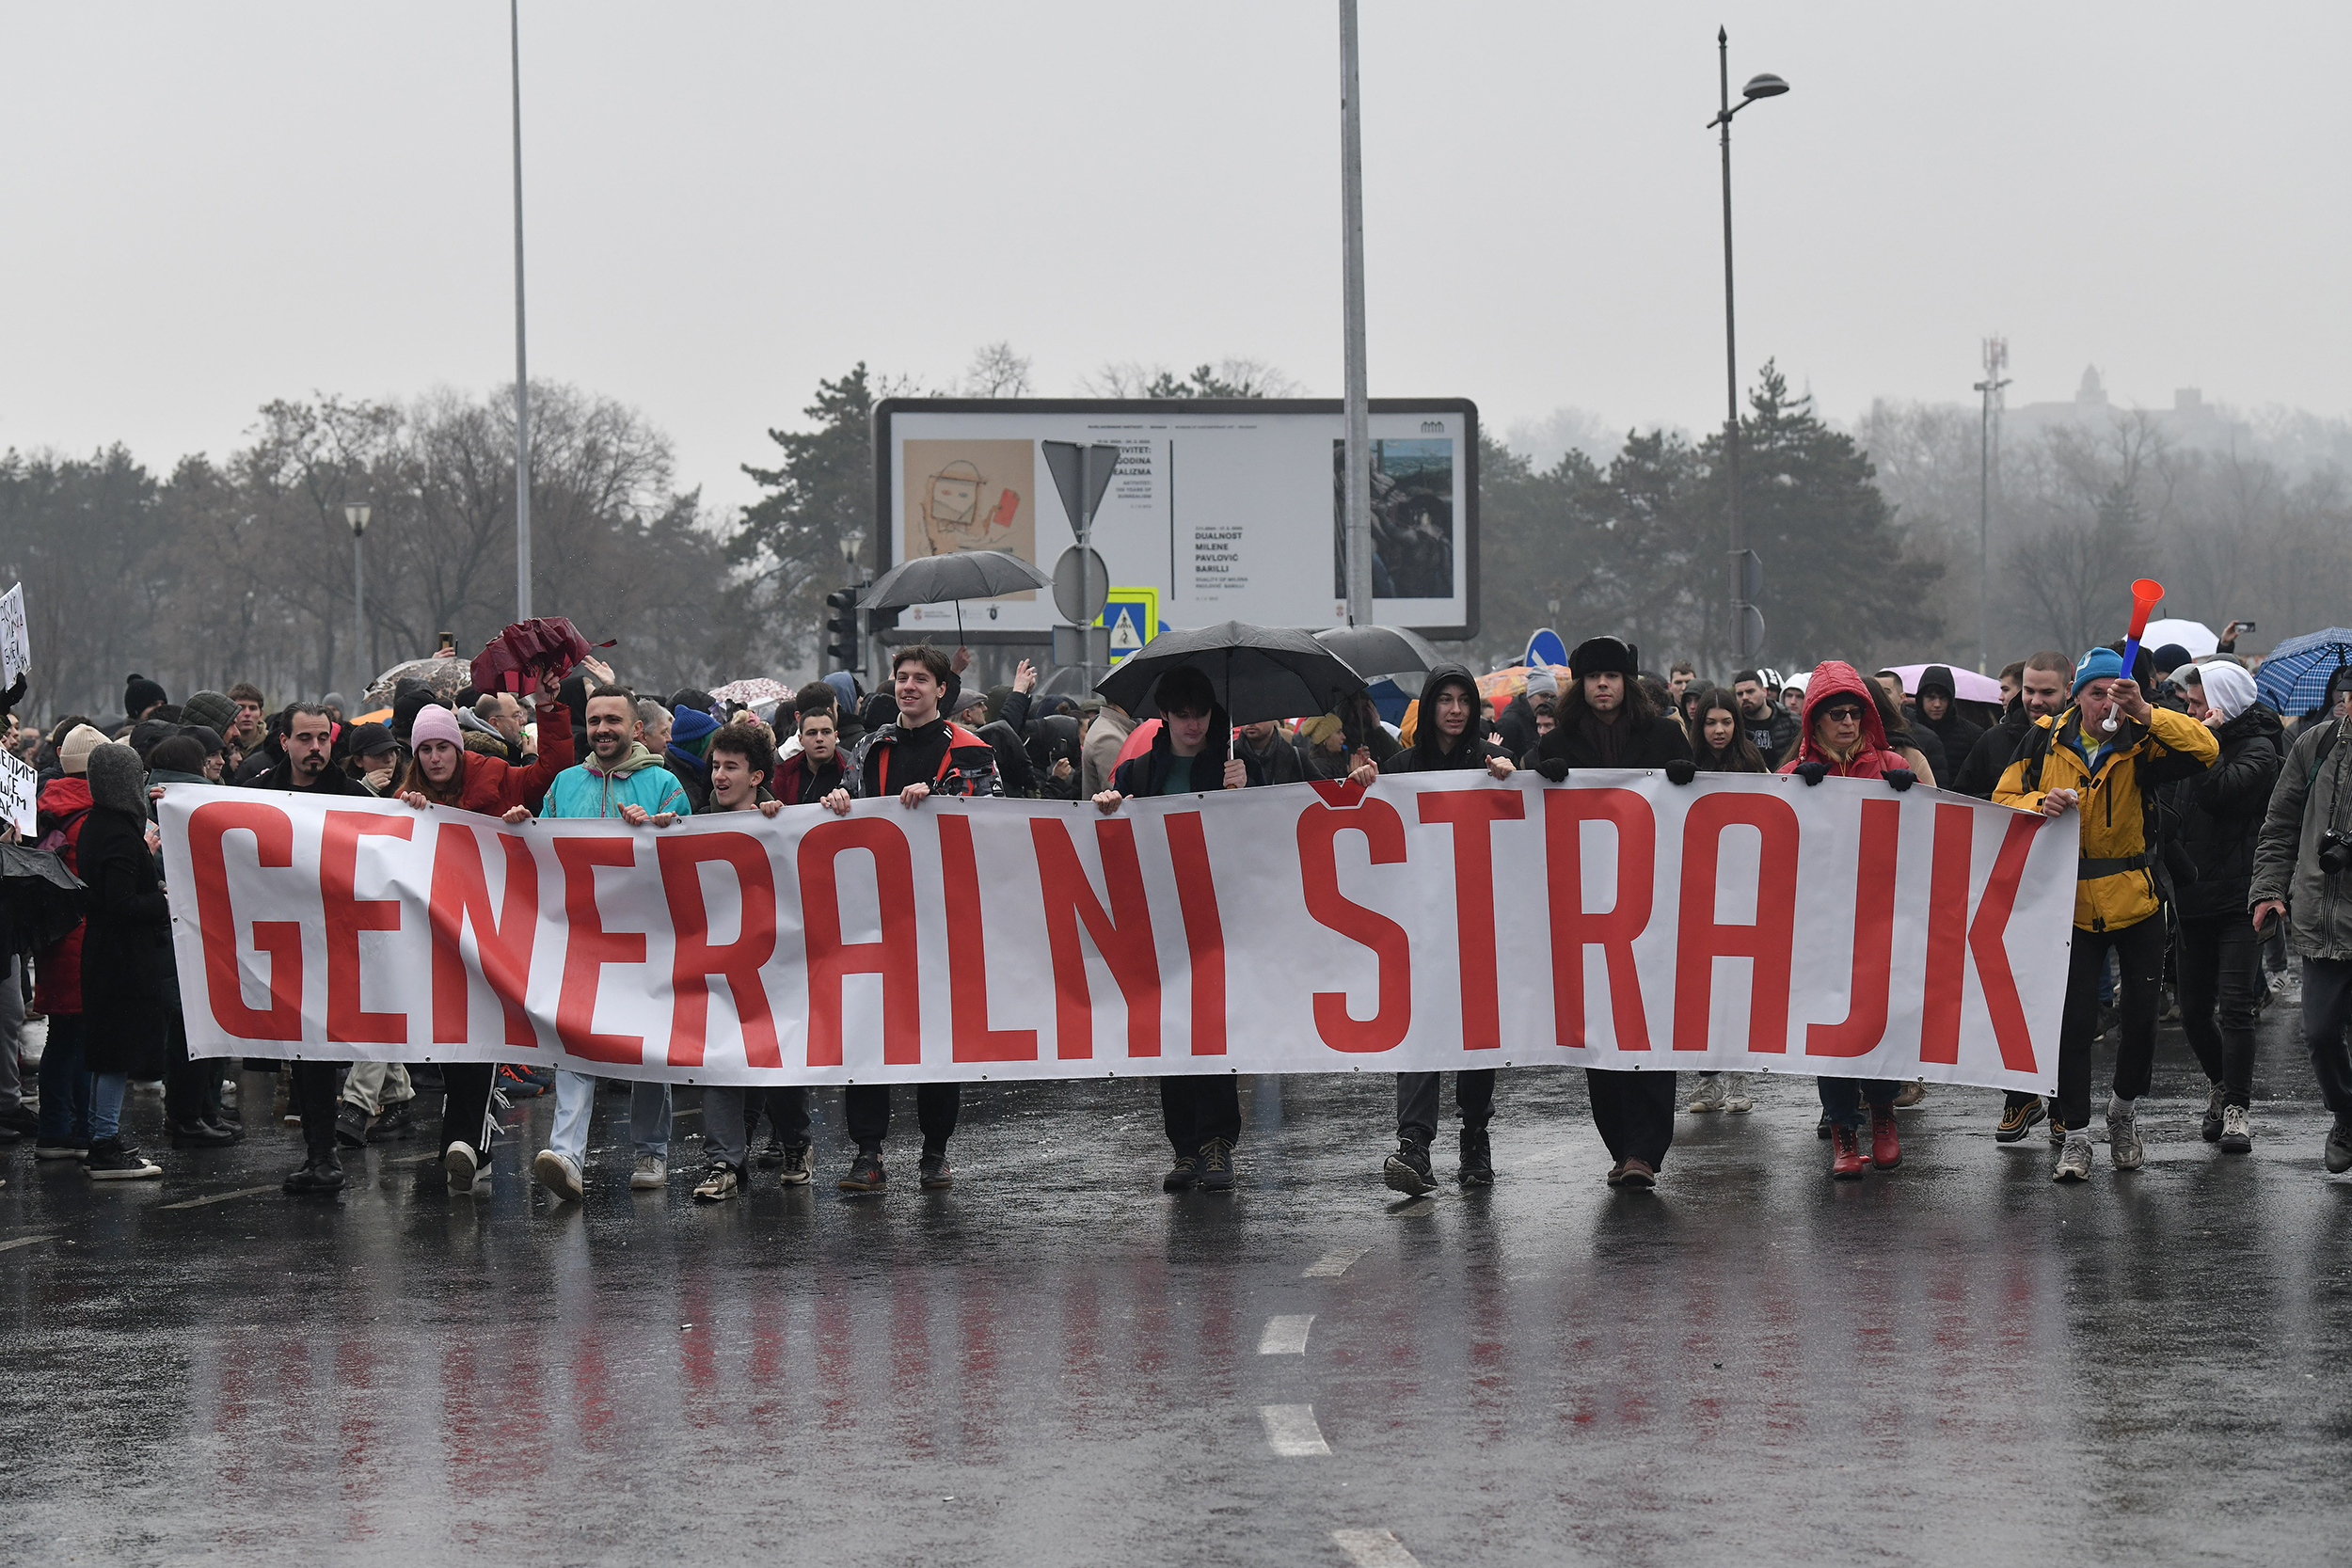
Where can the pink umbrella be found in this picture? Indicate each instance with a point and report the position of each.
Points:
(1967, 685)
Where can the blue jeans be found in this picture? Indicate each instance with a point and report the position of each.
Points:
(576, 1100)
(1842, 1097)
(106, 1090)
(64, 1087)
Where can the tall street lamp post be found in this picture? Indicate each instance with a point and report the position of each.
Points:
(1744, 579)
(356, 514)
(1995, 361)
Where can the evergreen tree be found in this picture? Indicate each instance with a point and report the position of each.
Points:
(823, 489)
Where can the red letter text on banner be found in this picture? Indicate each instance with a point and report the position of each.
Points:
(1384, 830)
(1574, 928)
(894, 957)
(461, 894)
(739, 962)
(1873, 938)
(1770, 942)
(1472, 814)
(280, 940)
(588, 947)
(1204, 930)
(1124, 941)
(970, 1037)
(346, 917)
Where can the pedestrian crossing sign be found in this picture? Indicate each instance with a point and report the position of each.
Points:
(1133, 617)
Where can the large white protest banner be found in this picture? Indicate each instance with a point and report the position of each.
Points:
(1430, 922)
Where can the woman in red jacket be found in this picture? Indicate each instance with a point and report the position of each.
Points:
(1843, 737)
(444, 774)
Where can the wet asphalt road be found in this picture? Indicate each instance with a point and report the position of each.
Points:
(1054, 1364)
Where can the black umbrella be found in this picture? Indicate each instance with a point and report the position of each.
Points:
(1259, 673)
(1382, 650)
(39, 899)
(959, 574)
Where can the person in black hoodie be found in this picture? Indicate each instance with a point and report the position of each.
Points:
(1191, 753)
(307, 770)
(1445, 738)
(2217, 817)
(126, 958)
(1937, 706)
(1606, 721)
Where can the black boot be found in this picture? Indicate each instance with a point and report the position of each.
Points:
(316, 1178)
(1478, 1159)
(1408, 1169)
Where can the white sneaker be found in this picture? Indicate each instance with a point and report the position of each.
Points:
(2123, 1145)
(557, 1175)
(2074, 1160)
(2237, 1132)
(1736, 1094)
(651, 1175)
(461, 1166)
(1710, 1093)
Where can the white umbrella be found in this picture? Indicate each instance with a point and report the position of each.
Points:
(1967, 685)
(2197, 637)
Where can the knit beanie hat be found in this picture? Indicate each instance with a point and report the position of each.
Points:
(691, 729)
(2171, 657)
(73, 755)
(435, 722)
(211, 709)
(139, 693)
(2229, 690)
(1319, 729)
(117, 780)
(2098, 664)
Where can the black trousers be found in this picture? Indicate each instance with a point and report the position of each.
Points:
(1843, 1098)
(2218, 967)
(2139, 950)
(191, 1084)
(1417, 1098)
(2327, 1008)
(1197, 1106)
(788, 1113)
(466, 1106)
(867, 1108)
(1635, 1113)
(315, 1086)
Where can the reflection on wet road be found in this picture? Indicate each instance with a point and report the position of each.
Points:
(1055, 1364)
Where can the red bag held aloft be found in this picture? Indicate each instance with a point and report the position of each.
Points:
(511, 661)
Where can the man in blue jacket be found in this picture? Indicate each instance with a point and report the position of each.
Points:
(620, 777)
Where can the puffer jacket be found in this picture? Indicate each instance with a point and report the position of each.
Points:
(2214, 820)
(2114, 777)
(2310, 798)
(493, 787)
(1872, 756)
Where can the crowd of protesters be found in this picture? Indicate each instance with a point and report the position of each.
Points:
(2212, 833)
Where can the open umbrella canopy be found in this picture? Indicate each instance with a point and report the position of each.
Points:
(1257, 673)
(2294, 674)
(1967, 685)
(752, 693)
(958, 575)
(39, 899)
(1378, 651)
(446, 676)
(1498, 687)
(2197, 637)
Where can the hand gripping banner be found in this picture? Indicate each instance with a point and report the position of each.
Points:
(1752, 924)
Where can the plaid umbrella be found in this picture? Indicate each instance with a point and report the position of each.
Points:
(2294, 674)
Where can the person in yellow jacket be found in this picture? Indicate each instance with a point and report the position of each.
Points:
(2108, 778)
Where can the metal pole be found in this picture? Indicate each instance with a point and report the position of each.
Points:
(1731, 373)
(1984, 529)
(1358, 446)
(1086, 562)
(522, 369)
(359, 614)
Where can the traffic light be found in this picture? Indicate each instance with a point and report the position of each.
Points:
(841, 629)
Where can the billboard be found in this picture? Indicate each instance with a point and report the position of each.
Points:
(1229, 509)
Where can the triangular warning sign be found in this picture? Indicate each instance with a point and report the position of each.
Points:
(1124, 637)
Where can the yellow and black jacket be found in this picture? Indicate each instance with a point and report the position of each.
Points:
(2115, 777)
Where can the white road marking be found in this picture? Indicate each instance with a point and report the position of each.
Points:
(24, 1241)
(1334, 1264)
(1286, 1334)
(1291, 1430)
(216, 1198)
(1373, 1548)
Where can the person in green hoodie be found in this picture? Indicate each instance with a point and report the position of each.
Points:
(621, 778)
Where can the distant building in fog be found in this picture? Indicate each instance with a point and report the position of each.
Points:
(2190, 422)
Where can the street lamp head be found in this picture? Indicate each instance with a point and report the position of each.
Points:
(356, 514)
(1764, 85)
(852, 543)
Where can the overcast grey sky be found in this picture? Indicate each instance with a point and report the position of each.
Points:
(207, 205)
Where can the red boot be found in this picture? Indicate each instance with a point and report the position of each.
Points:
(1845, 1155)
(1886, 1150)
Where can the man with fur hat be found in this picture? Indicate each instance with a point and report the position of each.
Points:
(1445, 738)
(2105, 757)
(1606, 721)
